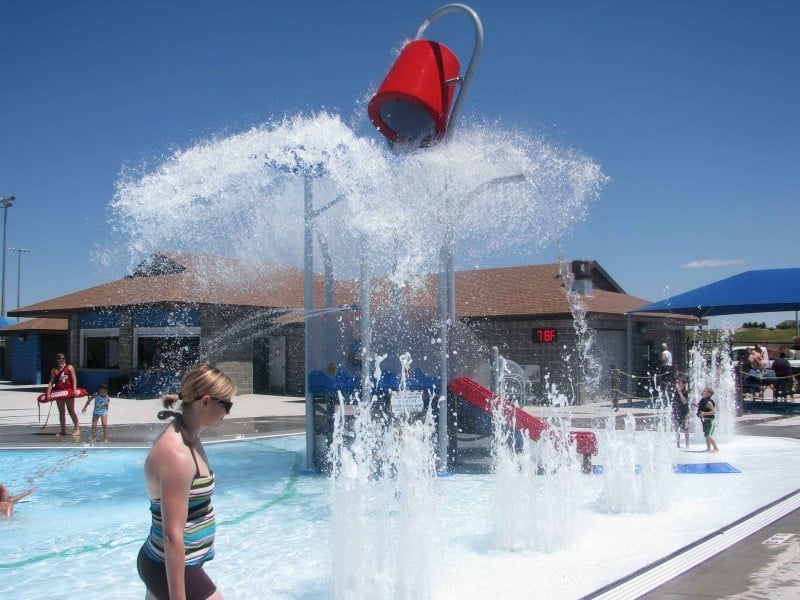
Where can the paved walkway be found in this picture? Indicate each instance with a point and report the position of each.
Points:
(25, 422)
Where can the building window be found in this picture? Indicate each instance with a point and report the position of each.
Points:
(100, 348)
(162, 349)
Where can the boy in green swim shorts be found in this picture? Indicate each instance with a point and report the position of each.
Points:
(706, 410)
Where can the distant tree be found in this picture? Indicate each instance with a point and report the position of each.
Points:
(788, 324)
(763, 325)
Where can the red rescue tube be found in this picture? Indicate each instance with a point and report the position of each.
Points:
(62, 395)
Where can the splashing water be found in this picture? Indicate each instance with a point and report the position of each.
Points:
(589, 367)
(538, 485)
(243, 195)
(725, 378)
(384, 506)
(637, 467)
(717, 372)
(489, 190)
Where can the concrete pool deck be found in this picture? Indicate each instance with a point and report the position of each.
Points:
(132, 422)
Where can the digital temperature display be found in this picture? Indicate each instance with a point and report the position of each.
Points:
(545, 336)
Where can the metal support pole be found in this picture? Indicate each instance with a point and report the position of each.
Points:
(495, 369)
(443, 367)
(629, 354)
(19, 274)
(5, 202)
(5, 231)
(365, 324)
(327, 261)
(451, 278)
(20, 252)
(308, 304)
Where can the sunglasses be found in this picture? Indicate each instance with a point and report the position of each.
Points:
(226, 403)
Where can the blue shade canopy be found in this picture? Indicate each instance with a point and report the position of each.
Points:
(768, 290)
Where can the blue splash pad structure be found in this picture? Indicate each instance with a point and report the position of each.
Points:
(705, 468)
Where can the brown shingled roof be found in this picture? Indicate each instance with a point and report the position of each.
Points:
(196, 279)
(509, 291)
(199, 279)
(37, 325)
(538, 289)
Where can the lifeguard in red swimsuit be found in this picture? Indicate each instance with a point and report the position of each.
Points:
(62, 377)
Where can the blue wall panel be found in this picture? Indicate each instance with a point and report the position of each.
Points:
(106, 319)
(91, 379)
(25, 368)
(161, 317)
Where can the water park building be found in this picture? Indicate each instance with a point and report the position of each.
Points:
(248, 319)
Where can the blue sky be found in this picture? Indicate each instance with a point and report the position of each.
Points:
(690, 107)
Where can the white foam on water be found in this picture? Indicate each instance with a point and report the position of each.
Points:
(274, 536)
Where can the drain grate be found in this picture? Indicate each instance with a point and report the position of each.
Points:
(776, 539)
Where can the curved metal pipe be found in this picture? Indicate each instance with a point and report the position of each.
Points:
(477, 49)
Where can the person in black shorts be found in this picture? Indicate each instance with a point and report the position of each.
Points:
(680, 411)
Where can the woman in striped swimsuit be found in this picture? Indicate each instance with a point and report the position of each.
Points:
(180, 483)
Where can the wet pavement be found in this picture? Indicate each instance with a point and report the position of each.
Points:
(765, 565)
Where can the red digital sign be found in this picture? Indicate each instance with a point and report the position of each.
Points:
(546, 335)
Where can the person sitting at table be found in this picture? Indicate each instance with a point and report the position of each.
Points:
(783, 375)
(756, 360)
(762, 350)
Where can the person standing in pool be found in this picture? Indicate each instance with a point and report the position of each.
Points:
(7, 501)
(180, 484)
(706, 410)
(63, 377)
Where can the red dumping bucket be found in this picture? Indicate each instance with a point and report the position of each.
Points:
(413, 102)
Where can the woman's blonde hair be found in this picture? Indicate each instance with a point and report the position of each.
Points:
(199, 381)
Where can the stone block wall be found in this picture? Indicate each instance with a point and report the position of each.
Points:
(231, 354)
(126, 341)
(295, 360)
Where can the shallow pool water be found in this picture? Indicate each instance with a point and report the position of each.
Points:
(79, 533)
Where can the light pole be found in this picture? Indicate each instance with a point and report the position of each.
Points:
(20, 252)
(5, 202)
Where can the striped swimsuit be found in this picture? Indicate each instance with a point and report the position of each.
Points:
(198, 534)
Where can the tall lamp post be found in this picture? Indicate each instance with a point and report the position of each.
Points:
(20, 252)
(5, 202)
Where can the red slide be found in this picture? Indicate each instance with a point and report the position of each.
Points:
(483, 398)
(62, 395)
